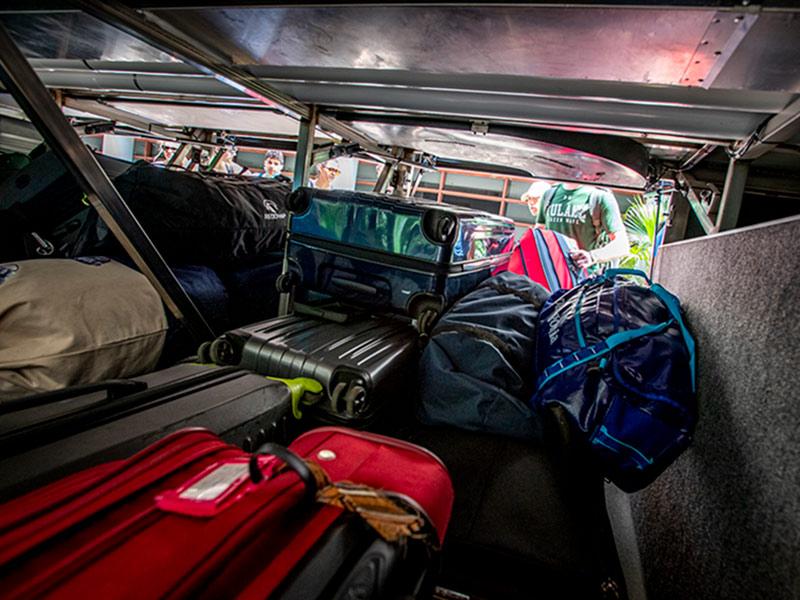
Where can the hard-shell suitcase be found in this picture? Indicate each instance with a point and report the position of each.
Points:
(403, 254)
(366, 365)
(47, 436)
(193, 517)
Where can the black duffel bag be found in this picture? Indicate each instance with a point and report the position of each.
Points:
(476, 372)
(206, 218)
(44, 213)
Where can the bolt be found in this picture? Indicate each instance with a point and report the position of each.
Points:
(704, 43)
(717, 52)
(700, 80)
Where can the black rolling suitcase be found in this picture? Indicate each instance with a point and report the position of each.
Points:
(406, 255)
(50, 435)
(366, 365)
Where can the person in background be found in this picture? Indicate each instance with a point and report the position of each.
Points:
(165, 152)
(325, 174)
(227, 163)
(533, 197)
(273, 165)
(590, 215)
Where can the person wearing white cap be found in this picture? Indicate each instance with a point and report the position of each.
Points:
(227, 163)
(533, 196)
(165, 152)
(325, 175)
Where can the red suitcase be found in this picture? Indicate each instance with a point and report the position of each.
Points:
(188, 517)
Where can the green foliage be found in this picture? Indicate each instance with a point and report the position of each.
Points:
(640, 223)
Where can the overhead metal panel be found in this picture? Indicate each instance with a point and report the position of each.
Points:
(768, 58)
(213, 117)
(76, 35)
(614, 44)
(696, 113)
(540, 159)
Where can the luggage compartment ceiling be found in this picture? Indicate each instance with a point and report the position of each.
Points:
(662, 75)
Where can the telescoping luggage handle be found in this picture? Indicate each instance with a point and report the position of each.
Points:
(291, 460)
(589, 353)
(114, 388)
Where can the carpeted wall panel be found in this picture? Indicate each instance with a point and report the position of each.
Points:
(724, 520)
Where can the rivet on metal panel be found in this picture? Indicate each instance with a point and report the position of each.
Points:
(326, 455)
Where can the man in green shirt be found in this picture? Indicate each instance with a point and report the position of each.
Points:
(591, 217)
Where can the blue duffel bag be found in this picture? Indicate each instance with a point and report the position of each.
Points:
(617, 358)
(475, 371)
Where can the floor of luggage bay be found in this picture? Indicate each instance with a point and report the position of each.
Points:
(529, 520)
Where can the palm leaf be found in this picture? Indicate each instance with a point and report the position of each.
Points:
(640, 220)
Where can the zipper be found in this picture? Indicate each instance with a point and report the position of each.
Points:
(372, 437)
(607, 440)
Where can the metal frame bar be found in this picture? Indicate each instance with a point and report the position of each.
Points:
(101, 109)
(697, 157)
(215, 159)
(147, 27)
(678, 218)
(416, 181)
(699, 209)
(780, 128)
(305, 149)
(180, 153)
(20, 79)
(383, 177)
(732, 194)
(302, 166)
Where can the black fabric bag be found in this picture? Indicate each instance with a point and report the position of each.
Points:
(43, 212)
(206, 218)
(477, 371)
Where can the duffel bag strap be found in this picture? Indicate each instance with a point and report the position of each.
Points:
(584, 355)
(673, 306)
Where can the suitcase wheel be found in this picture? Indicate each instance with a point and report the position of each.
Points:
(203, 353)
(222, 352)
(337, 393)
(286, 282)
(426, 320)
(354, 399)
(425, 309)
